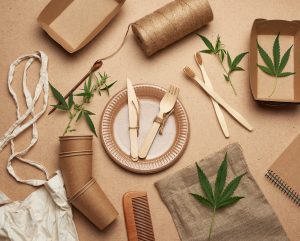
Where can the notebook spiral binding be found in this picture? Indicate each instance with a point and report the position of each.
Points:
(283, 187)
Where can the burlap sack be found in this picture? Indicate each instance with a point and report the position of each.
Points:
(250, 219)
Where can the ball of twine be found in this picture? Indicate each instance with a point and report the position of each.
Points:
(171, 23)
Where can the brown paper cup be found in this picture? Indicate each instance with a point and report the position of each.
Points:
(76, 168)
(75, 143)
(94, 204)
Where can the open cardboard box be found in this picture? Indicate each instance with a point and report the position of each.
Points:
(74, 23)
(288, 88)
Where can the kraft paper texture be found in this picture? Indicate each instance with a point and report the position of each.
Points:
(274, 128)
(265, 31)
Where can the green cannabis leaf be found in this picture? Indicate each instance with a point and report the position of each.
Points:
(233, 66)
(58, 96)
(276, 66)
(221, 196)
(219, 51)
(78, 110)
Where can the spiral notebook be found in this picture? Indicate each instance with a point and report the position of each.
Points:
(285, 171)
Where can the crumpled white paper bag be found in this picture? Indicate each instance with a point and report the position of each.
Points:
(45, 215)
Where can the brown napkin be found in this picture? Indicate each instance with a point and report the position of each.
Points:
(250, 219)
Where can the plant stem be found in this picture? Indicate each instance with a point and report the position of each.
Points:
(71, 118)
(232, 86)
(225, 70)
(75, 111)
(68, 126)
(274, 86)
(212, 223)
(228, 75)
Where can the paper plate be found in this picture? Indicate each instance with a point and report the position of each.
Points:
(166, 149)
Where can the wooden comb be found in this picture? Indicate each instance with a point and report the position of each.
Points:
(137, 217)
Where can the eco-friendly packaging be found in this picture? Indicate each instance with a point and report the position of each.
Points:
(76, 143)
(83, 192)
(94, 204)
(74, 23)
(78, 165)
(288, 88)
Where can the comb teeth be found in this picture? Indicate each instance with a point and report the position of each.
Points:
(142, 219)
(137, 217)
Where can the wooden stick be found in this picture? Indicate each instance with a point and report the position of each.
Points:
(95, 67)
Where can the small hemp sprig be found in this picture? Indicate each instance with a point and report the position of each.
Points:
(221, 197)
(78, 110)
(220, 52)
(274, 68)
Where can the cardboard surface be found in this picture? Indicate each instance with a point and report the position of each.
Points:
(287, 166)
(74, 23)
(75, 143)
(94, 204)
(274, 128)
(265, 32)
(75, 162)
(76, 170)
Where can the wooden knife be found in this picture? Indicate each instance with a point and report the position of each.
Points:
(133, 114)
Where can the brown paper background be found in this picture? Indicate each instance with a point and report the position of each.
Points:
(274, 128)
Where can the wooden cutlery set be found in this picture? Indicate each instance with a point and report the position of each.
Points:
(136, 208)
(166, 108)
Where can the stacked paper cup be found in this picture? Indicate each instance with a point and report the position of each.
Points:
(83, 191)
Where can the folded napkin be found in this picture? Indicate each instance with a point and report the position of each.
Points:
(250, 219)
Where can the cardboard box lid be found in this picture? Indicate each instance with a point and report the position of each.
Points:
(74, 23)
(288, 87)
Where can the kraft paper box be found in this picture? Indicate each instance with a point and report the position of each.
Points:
(288, 88)
(74, 23)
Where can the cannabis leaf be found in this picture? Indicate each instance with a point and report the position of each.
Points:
(276, 66)
(233, 66)
(221, 196)
(58, 96)
(78, 110)
(219, 51)
(89, 121)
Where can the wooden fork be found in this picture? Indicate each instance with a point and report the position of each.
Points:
(166, 105)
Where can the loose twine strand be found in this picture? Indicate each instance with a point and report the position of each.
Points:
(120, 47)
(167, 25)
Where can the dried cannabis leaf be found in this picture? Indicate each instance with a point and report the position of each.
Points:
(221, 196)
(276, 66)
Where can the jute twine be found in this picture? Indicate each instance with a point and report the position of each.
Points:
(171, 23)
(168, 24)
